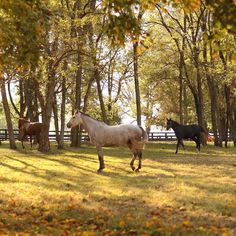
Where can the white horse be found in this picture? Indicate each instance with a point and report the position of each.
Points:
(103, 135)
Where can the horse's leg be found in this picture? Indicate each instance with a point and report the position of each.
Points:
(177, 146)
(22, 144)
(22, 140)
(31, 141)
(196, 140)
(199, 142)
(182, 143)
(100, 157)
(140, 161)
(132, 161)
(37, 138)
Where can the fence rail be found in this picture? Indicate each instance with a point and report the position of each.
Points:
(153, 136)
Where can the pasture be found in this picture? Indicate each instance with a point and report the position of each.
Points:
(60, 193)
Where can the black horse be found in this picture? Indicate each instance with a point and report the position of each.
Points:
(192, 132)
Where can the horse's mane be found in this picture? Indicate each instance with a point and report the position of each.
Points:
(91, 117)
(175, 122)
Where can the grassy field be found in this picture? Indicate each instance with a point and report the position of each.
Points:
(60, 193)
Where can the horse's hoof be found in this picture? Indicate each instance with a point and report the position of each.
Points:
(137, 170)
(133, 168)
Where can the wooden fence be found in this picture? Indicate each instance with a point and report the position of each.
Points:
(153, 136)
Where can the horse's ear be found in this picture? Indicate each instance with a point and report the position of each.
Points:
(76, 111)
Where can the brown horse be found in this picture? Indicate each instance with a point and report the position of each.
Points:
(29, 128)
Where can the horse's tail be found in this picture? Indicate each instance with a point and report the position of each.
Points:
(144, 135)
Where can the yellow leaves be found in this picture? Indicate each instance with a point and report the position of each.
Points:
(233, 58)
(148, 5)
(1, 73)
(70, 221)
(139, 50)
(214, 55)
(122, 223)
(188, 5)
(148, 224)
(135, 40)
(88, 233)
(195, 5)
(46, 2)
(213, 228)
(164, 10)
(38, 29)
(186, 223)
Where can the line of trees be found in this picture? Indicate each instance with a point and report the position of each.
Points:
(104, 56)
(196, 75)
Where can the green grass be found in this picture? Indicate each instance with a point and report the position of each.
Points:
(60, 193)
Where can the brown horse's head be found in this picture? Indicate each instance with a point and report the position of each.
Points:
(21, 122)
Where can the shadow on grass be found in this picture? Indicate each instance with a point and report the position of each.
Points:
(110, 216)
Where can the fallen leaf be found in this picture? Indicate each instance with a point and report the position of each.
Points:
(186, 223)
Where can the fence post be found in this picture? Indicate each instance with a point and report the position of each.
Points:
(5, 134)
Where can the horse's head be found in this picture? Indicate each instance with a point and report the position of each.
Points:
(75, 120)
(169, 123)
(21, 122)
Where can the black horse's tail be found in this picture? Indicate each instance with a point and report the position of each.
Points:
(144, 135)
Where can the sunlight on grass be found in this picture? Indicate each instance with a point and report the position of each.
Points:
(61, 193)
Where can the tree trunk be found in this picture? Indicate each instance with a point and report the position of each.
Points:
(199, 103)
(87, 94)
(228, 113)
(30, 101)
(56, 120)
(199, 109)
(182, 93)
(22, 99)
(227, 97)
(185, 103)
(214, 108)
(211, 84)
(76, 132)
(233, 123)
(136, 83)
(44, 144)
(100, 96)
(7, 115)
(180, 90)
(63, 110)
(11, 99)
